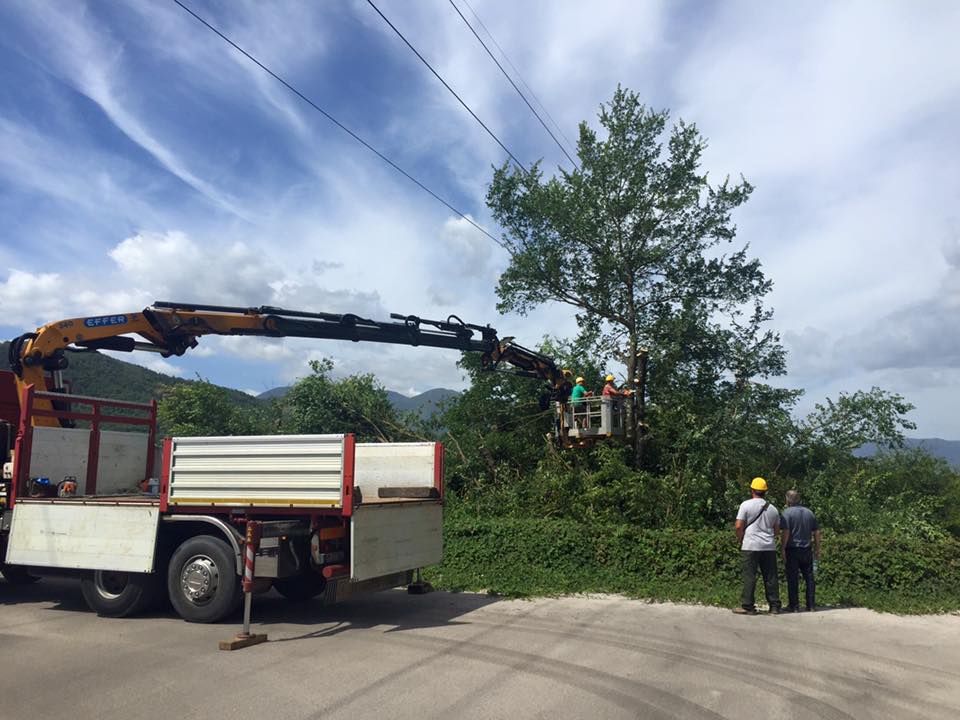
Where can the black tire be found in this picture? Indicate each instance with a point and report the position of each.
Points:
(202, 580)
(300, 588)
(16, 575)
(119, 594)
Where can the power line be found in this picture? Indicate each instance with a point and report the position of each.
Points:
(519, 75)
(510, 79)
(336, 122)
(452, 91)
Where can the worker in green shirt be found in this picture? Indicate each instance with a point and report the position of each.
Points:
(576, 397)
(579, 391)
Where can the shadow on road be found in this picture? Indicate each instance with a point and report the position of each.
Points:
(393, 609)
(64, 592)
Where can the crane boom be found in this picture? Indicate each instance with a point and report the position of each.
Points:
(174, 328)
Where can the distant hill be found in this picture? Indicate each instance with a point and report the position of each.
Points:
(425, 404)
(99, 375)
(274, 393)
(949, 450)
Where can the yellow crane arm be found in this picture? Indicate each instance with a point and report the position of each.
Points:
(173, 328)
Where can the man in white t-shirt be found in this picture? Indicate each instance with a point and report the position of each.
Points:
(758, 524)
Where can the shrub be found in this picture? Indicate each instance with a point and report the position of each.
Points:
(524, 557)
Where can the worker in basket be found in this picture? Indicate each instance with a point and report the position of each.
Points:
(610, 390)
(577, 399)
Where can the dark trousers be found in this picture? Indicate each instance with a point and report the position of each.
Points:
(766, 560)
(800, 562)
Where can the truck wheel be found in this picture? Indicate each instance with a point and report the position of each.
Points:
(119, 594)
(202, 580)
(300, 588)
(16, 575)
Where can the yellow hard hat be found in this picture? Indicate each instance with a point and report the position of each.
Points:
(609, 378)
(579, 379)
(758, 483)
(567, 373)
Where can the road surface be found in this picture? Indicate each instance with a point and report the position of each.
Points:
(396, 656)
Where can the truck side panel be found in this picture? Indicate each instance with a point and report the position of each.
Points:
(83, 536)
(394, 537)
(258, 471)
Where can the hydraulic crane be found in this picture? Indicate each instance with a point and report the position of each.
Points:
(171, 328)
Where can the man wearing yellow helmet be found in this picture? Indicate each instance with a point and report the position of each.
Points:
(610, 390)
(578, 395)
(757, 525)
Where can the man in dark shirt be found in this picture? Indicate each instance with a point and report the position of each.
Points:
(800, 547)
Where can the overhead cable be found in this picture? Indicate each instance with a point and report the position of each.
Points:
(447, 86)
(510, 79)
(336, 122)
(519, 75)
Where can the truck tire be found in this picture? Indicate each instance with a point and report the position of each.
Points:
(119, 594)
(300, 588)
(202, 580)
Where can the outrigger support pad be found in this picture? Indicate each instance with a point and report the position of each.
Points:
(419, 586)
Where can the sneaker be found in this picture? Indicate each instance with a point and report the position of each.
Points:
(775, 610)
(791, 609)
(811, 608)
(744, 611)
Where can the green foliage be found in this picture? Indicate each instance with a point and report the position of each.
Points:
(356, 404)
(201, 408)
(523, 557)
(495, 430)
(631, 239)
(907, 492)
(856, 419)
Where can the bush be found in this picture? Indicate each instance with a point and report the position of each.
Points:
(524, 557)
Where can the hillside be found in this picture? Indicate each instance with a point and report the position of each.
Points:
(949, 450)
(103, 376)
(425, 404)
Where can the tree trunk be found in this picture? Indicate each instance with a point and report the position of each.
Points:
(640, 415)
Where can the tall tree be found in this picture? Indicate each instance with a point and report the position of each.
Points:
(354, 404)
(630, 239)
(201, 408)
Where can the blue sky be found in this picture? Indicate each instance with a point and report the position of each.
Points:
(141, 158)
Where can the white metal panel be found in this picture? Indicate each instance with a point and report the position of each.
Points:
(59, 452)
(122, 461)
(390, 538)
(79, 536)
(275, 470)
(394, 465)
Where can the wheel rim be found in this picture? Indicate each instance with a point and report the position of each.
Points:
(110, 584)
(199, 580)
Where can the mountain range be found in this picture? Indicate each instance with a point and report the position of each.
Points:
(425, 404)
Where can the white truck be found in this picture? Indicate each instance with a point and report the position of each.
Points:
(337, 517)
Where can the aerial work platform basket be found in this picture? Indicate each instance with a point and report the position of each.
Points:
(592, 418)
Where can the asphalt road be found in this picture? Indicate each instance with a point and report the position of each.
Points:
(445, 655)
